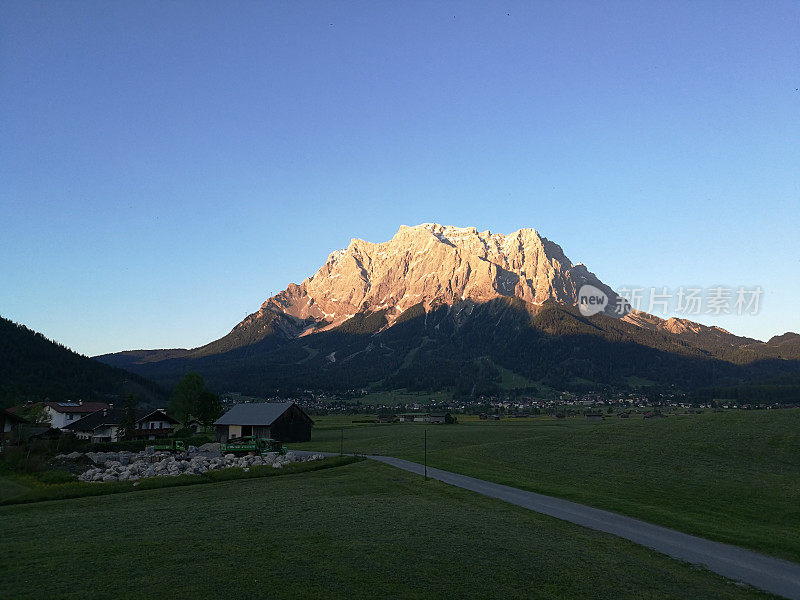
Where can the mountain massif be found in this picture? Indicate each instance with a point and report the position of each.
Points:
(439, 307)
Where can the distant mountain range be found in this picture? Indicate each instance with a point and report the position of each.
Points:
(35, 368)
(440, 307)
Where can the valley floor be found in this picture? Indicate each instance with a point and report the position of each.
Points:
(733, 477)
(361, 530)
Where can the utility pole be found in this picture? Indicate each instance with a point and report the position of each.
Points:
(426, 454)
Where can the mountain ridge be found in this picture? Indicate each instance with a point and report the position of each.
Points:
(429, 263)
(438, 297)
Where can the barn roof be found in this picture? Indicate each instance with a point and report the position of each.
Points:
(256, 413)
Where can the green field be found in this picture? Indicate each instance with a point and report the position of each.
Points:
(403, 397)
(364, 530)
(731, 476)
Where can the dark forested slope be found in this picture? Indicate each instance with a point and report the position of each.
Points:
(33, 367)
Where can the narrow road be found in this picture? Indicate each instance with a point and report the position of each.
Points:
(770, 574)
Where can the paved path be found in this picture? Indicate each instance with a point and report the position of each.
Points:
(773, 575)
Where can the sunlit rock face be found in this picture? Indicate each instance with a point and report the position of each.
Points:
(428, 264)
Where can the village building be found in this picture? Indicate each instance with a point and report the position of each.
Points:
(62, 414)
(284, 421)
(594, 416)
(415, 417)
(441, 417)
(8, 421)
(42, 432)
(106, 425)
(154, 424)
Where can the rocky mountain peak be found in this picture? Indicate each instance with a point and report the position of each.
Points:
(429, 265)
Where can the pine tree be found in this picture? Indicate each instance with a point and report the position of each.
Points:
(128, 423)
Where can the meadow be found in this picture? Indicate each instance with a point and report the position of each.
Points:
(731, 476)
(363, 530)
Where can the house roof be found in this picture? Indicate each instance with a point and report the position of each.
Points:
(256, 413)
(114, 416)
(97, 419)
(76, 407)
(39, 431)
(161, 416)
(11, 416)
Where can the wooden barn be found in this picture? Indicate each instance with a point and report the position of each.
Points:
(284, 421)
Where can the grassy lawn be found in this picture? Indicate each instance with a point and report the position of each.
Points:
(11, 489)
(732, 476)
(364, 530)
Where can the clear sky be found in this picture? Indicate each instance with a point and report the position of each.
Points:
(167, 166)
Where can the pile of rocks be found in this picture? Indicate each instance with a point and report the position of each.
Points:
(131, 466)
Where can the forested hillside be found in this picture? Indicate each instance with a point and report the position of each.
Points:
(33, 367)
(462, 348)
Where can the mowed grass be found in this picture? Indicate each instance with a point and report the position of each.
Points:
(732, 476)
(11, 489)
(365, 530)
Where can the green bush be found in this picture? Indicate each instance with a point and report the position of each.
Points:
(139, 445)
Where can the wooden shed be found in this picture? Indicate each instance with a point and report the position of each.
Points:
(284, 421)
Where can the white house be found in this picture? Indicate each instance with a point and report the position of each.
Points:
(156, 423)
(62, 414)
(105, 425)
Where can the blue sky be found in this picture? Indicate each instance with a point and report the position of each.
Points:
(167, 166)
